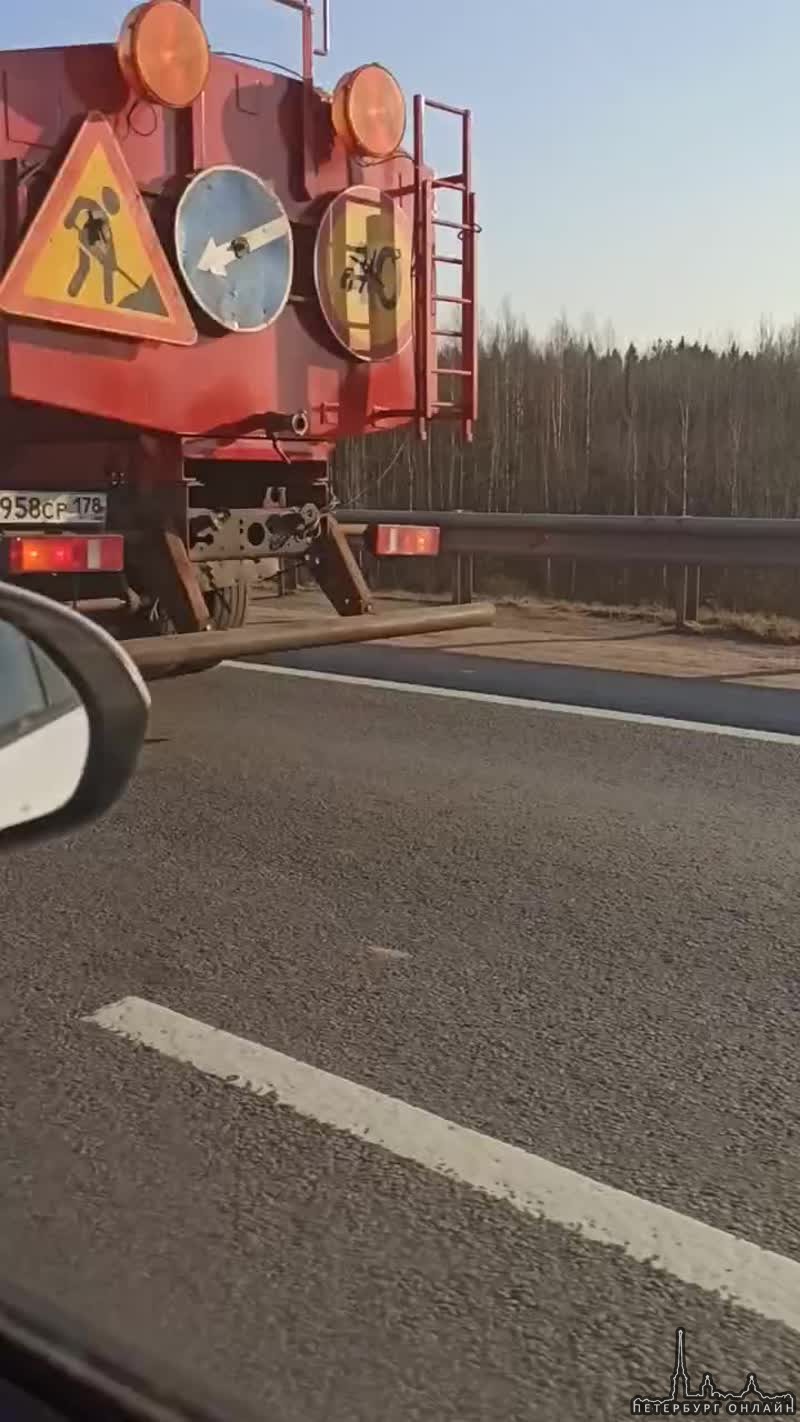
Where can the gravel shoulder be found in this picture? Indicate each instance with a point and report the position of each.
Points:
(540, 632)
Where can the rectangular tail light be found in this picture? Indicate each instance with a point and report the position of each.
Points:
(404, 540)
(66, 553)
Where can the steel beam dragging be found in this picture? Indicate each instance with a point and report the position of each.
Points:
(172, 655)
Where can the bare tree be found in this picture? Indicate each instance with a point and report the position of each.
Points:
(569, 423)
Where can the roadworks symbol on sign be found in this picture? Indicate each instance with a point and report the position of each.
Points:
(91, 257)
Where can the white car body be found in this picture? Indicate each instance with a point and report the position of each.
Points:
(40, 771)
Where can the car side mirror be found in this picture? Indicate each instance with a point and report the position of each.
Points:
(73, 715)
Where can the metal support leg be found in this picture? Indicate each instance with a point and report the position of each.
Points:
(159, 549)
(175, 576)
(336, 570)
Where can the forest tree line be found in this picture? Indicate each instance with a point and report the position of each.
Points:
(574, 425)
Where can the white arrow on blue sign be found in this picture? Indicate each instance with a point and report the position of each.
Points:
(234, 246)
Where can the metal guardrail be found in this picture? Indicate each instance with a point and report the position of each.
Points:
(684, 543)
(743, 542)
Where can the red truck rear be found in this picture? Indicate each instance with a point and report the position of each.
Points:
(212, 272)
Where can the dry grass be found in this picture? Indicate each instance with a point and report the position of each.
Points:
(765, 627)
(749, 626)
(753, 626)
(637, 612)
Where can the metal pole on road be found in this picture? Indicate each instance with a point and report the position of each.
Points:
(192, 651)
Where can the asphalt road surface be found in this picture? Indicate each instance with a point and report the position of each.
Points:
(691, 698)
(577, 937)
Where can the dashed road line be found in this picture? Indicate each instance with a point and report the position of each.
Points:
(711, 1259)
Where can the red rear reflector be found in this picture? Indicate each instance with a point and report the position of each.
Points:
(67, 554)
(397, 540)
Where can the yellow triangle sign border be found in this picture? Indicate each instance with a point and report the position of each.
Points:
(174, 327)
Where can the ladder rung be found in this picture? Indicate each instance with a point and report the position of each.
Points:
(444, 108)
(429, 375)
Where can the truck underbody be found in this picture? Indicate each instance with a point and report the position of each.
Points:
(170, 534)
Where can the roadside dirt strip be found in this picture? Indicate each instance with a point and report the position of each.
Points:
(537, 632)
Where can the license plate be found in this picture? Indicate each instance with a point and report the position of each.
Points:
(53, 509)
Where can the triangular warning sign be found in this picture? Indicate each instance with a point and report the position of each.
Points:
(91, 256)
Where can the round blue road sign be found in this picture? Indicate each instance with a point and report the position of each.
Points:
(234, 248)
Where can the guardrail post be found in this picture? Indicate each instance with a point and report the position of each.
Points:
(463, 577)
(676, 581)
(686, 594)
(693, 593)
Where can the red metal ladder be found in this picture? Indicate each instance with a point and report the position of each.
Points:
(429, 299)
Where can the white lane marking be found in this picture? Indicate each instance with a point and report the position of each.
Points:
(754, 1278)
(781, 738)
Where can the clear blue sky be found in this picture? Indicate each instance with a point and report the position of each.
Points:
(637, 161)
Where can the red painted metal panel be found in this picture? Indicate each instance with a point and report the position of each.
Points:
(252, 119)
(222, 383)
(45, 93)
